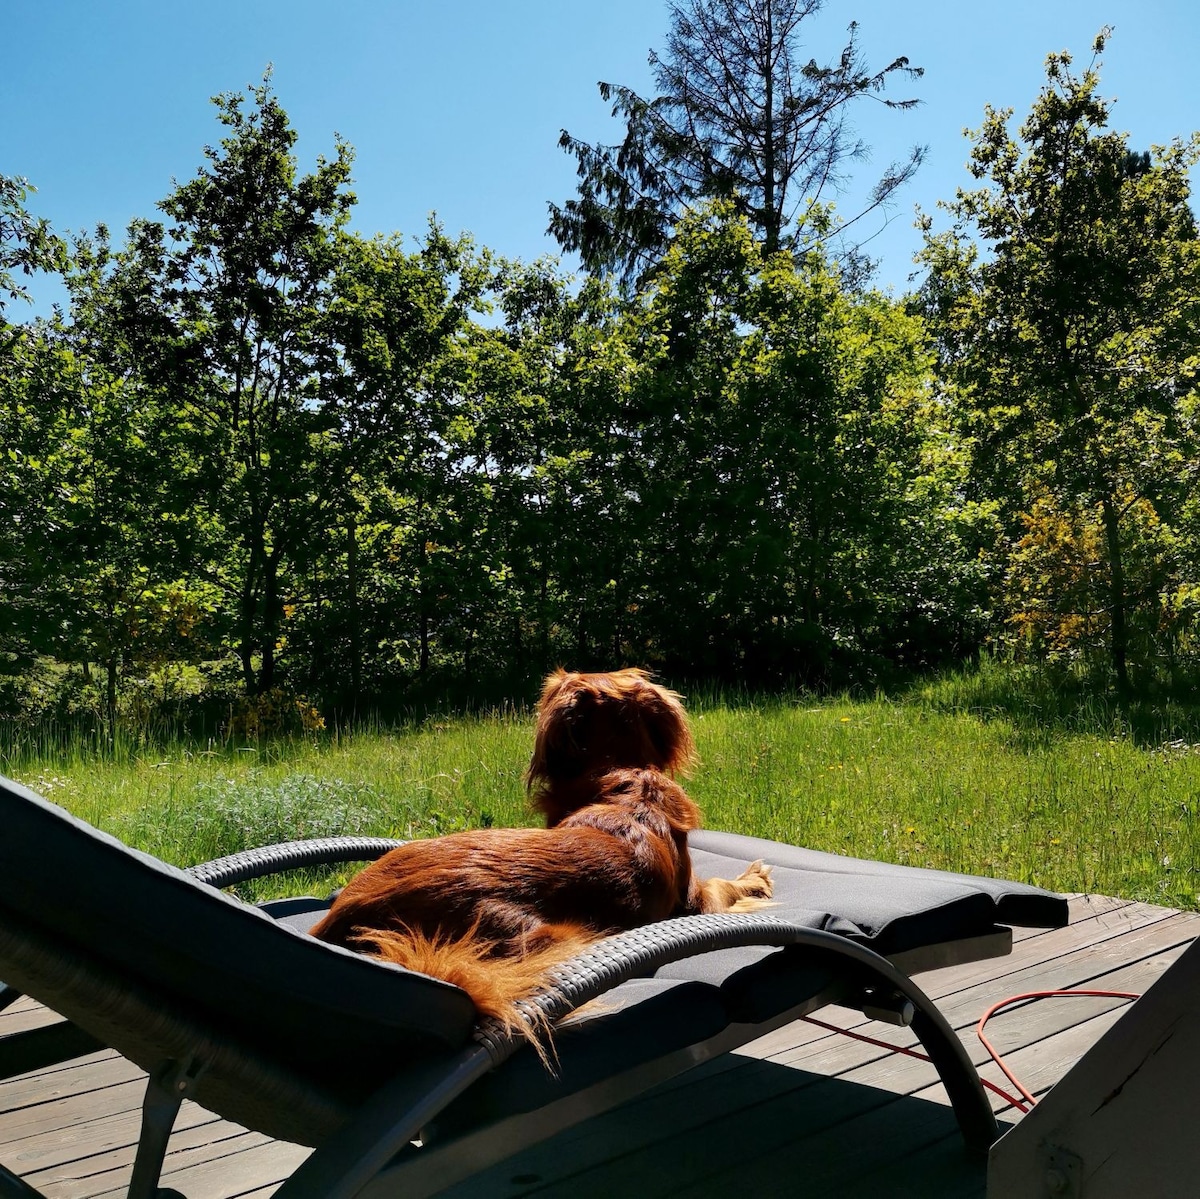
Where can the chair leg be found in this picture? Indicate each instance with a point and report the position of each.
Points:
(166, 1090)
(894, 990)
(12, 1187)
(961, 1080)
(910, 1005)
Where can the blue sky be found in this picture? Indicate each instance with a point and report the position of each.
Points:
(455, 106)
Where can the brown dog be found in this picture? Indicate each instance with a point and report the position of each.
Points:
(494, 910)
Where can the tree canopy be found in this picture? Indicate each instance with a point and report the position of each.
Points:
(738, 115)
(264, 467)
(1066, 302)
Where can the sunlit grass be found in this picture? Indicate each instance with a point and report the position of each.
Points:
(905, 783)
(934, 779)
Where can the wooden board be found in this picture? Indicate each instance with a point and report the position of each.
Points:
(1119, 1123)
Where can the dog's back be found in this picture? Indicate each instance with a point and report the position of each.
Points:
(495, 910)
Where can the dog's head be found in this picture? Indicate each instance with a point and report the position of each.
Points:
(591, 723)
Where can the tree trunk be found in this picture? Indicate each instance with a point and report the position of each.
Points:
(110, 702)
(771, 222)
(354, 616)
(543, 619)
(1119, 631)
(247, 606)
(422, 612)
(272, 609)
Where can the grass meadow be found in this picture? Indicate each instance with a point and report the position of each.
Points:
(972, 772)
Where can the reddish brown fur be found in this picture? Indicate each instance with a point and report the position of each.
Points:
(494, 910)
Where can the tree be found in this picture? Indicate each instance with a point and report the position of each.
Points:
(27, 244)
(28, 367)
(1064, 299)
(738, 115)
(226, 307)
(767, 447)
(394, 334)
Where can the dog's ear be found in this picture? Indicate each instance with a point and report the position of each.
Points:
(554, 747)
(667, 727)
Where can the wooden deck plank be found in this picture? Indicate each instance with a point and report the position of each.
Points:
(1032, 1026)
(1094, 920)
(109, 1171)
(1077, 967)
(25, 1014)
(83, 1076)
(1040, 1066)
(52, 1148)
(1082, 907)
(804, 1045)
(683, 1156)
(227, 1176)
(801, 1110)
(941, 1169)
(72, 1111)
(1092, 931)
(861, 1157)
(720, 1093)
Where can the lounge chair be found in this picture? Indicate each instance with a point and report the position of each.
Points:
(387, 1073)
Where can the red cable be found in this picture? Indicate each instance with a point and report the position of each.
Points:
(1022, 1105)
(1014, 999)
(858, 1036)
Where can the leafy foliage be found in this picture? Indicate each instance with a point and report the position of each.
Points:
(1069, 329)
(266, 474)
(27, 243)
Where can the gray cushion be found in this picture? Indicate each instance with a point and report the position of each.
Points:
(267, 984)
(889, 908)
(877, 897)
(642, 1019)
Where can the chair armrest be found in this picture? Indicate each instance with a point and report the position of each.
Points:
(607, 963)
(290, 855)
(613, 960)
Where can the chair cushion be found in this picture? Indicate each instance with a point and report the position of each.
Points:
(889, 908)
(227, 962)
(639, 1021)
(878, 897)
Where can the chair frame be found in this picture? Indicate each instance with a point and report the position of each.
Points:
(378, 1149)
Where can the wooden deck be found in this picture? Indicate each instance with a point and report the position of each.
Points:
(803, 1110)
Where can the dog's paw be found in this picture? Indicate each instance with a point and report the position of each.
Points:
(755, 882)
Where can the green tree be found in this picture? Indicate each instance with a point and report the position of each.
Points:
(27, 243)
(1065, 302)
(739, 115)
(28, 369)
(225, 306)
(29, 431)
(396, 332)
(768, 452)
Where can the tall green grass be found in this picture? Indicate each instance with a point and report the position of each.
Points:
(955, 775)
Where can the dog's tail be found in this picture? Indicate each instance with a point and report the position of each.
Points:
(495, 981)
